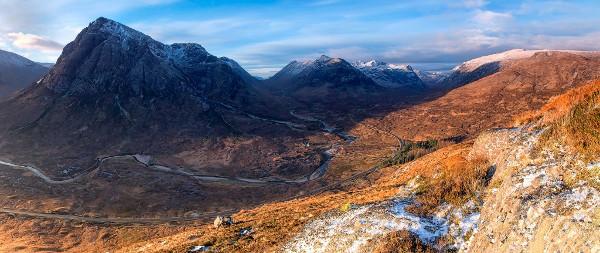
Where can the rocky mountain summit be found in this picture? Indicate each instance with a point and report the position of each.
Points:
(336, 73)
(110, 58)
(17, 72)
(325, 80)
(112, 83)
(391, 75)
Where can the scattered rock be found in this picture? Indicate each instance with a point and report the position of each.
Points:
(221, 221)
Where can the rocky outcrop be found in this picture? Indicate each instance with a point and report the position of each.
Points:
(532, 204)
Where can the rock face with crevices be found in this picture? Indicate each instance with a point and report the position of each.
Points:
(108, 57)
(530, 205)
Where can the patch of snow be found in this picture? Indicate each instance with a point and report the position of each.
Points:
(467, 224)
(199, 248)
(352, 230)
(389, 75)
(577, 195)
(145, 159)
(594, 165)
(427, 229)
(503, 56)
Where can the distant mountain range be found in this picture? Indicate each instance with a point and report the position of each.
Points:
(324, 79)
(391, 75)
(113, 82)
(127, 131)
(17, 72)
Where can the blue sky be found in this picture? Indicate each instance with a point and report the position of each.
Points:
(265, 35)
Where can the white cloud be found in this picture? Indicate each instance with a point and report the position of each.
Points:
(3, 43)
(474, 3)
(491, 21)
(35, 42)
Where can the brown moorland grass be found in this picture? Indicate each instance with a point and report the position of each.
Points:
(400, 242)
(457, 182)
(558, 106)
(572, 119)
(276, 223)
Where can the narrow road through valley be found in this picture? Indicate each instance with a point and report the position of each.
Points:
(115, 220)
(146, 161)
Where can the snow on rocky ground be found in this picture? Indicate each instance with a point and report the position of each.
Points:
(529, 207)
(352, 230)
(504, 56)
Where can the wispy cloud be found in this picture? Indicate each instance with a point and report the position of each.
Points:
(491, 20)
(474, 3)
(32, 41)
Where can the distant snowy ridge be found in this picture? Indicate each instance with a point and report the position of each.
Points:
(17, 72)
(382, 65)
(294, 68)
(390, 75)
(432, 78)
(514, 54)
(8, 58)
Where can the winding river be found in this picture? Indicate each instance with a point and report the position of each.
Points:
(146, 160)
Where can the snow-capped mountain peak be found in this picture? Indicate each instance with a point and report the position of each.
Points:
(390, 75)
(116, 29)
(513, 54)
(382, 65)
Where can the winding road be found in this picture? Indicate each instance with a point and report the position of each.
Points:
(147, 162)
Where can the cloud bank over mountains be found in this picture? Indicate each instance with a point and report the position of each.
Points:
(263, 37)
